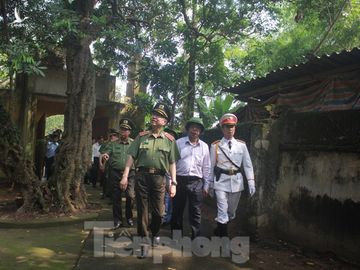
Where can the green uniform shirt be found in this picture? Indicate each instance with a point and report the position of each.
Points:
(103, 147)
(117, 152)
(151, 152)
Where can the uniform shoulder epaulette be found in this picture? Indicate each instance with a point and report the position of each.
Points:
(215, 142)
(169, 136)
(240, 141)
(143, 133)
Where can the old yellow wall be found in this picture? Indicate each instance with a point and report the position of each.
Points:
(37, 97)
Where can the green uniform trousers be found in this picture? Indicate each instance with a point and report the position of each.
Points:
(150, 193)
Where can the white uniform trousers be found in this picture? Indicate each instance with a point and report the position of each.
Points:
(227, 203)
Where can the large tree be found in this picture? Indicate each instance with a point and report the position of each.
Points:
(116, 29)
(71, 43)
(207, 27)
(74, 156)
(18, 54)
(192, 62)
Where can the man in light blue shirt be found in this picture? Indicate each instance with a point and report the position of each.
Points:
(51, 148)
(191, 171)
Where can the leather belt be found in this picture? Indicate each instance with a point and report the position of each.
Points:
(229, 172)
(121, 170)
(189, 178)
(151, 170)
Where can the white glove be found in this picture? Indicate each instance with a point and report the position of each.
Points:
(252, 188)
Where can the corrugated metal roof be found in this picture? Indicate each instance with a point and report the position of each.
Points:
(305, 71)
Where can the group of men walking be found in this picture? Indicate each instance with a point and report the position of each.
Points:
(138, 168)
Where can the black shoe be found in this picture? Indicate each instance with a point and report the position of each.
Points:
(130, 222)
(117, 225)
(221, 230)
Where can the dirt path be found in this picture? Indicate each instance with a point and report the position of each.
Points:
(263, 254)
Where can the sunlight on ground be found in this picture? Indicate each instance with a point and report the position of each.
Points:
(41, 248)
(43, 253)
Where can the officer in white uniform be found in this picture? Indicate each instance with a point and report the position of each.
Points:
(227, 156)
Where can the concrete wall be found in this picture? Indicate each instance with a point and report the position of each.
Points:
(318, 201)
(37, 97)
(317, 198)
(307, 168)
(54, 83)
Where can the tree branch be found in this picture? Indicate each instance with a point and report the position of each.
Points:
(332, 24)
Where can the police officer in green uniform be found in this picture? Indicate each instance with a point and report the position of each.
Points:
(155, 153)
(113, 135)
(116, 154)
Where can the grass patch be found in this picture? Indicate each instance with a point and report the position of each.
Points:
(41, 248)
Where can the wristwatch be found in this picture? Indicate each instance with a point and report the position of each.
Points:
(173, 183)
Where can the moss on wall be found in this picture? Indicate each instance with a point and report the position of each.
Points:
(318, 174)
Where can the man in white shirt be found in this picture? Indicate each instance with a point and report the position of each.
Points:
(227, 156)
(95, 160)
(191, 171)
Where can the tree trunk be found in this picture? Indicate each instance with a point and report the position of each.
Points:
(74, 156)
(17, 168)
(190, 90)
(133, 86)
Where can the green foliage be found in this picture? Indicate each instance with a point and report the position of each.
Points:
(135, 27)
(145, 102)
(212, 72)
(16, 58)
(230, 41)
(166, 78)
(306, 27)
(4, 68)
(202, 30)
(53, 123)
(23, 45)
(68, 24)
(212, 110)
